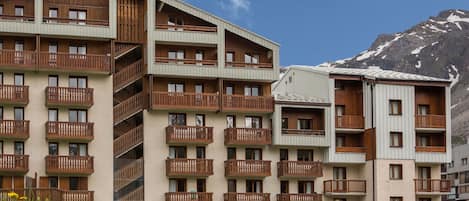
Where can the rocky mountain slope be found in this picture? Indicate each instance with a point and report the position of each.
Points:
(437, 47)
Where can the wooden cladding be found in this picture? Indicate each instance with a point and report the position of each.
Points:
(127, 174)
(246, 197)
(302, 132)
(249, 65)
(51, 20)
(189, 167)
(130, 23)
(186, 28)
(440, 149)
(66, 96)
(195, 62)
(350, 121)
(170, 100)
(248, 136)
(20, 59)
(51, 194)
(14, 164)
(299, 169)
(14, 129)
(129, 107)
(128, 74)
(17, 18)
(299, 197)
(69, 165)
(189, 135)
(430, 121)
(128, 140)
(188, 196)
(351, 149)
(14, 94)
(248, 103)
(77, 131)
(247, 168)
(97, 11)
(75, 62)
(345, 186)
(432, 186)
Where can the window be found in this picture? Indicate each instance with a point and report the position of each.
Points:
(53, 115)
(53, 182)
(340, 141)
(284, 187)
(339, 173)
(253, 154)
(464, 161)
(199, 88)
(252, 90)
(1, 113)
(53, 81)
(78, 82)
(253, 122)
(199, 57)
(229, 90)
(19, 79)
(177, 185)
(395, 172)
(230, 121)
(395, 107)
(283, 154)
(423, 109)
(339, 110)
(305, 187)
(73, 183)
(19, 148)
(1, 147)
(177, 22)
(178, 119)
(284, 123)
(395, 199)
(199, 120)
(1, 9)
(176, 56)
(201, 185)
(231, 185)
(19, 11)
(200, 152)
(231, 153)
(177, 152)
(77, 51)
(339, 85)
(423, 140)
(53, 13)
(253, 186)
(19, 47)
(305, 155)
(230, 57)
(53, 48)
(77, 116)
(53, 148)
(251, 58)
(19, 113)
(77, 149)
(175, 88)
(304, 124)
(395, 139)
(79, 16)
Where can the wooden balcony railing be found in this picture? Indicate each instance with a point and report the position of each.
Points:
(246, 197)
(189, 167)
(75, 62)
(299, 197)
(440, 149)
(350, 121)
(302, 132)
(128, 74)
(186, 28)
(129, 107)
(351, 149)
(248, 103)
(128, 174)
(345, 186)
(78, 131)
(248, 136)
(189, 135)
(199, 101)
(69, 165)
(14, 94)
(50, 194)
(77, 195)
(247, 168)
(52, 20)
(195, 62)
(20, 59)
(430, 121)
(432, 186)
(128, 140)
(299, 169)
(10, 163)
(14, 129)
(135, 195)
(188, 196)
(249, 65)
(17, 18)
(66, 96)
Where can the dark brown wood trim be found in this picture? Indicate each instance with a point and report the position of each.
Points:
(302, 103)
(414, 83)
(346, 77)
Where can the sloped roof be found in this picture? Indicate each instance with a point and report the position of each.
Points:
(290, 97)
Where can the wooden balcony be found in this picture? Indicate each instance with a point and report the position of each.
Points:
(188, 196)
(14, 129)
(302, 132)
(247, 168)
(50, 194)
(135, 195)
(129, 107)
(55, 20)
(185, 101)
(17, 18)
(237, 103)
(186, 28)
(438, 149)
(75, 131)
(248, 136)
(128, 75)
(345, 187)
(205, 62)
(424, 186)
(189, 135)
(350, 122)
(299, 197)
(249, 65)
(246, 197)
(75, 62)
(77, 195)
(128, 174)
(128, 140)
(351, 149)
(18, 59)
(14, 164)
(183, 167)
(430, 121)
(69, 165)
(14, 94)
(72, 97)
(299, 169)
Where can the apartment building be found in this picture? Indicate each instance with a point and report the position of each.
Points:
(457, 172)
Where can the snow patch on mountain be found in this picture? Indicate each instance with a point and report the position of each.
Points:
(453, 74)
(367, 54)
(417, 51)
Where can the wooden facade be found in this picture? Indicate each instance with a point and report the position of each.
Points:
(97, 11)
(292, 116)
(345, 186)
(239, 47)
(188, 196)
(9, 10)
(246, 197)
(14, 129)
(14, 164)
(130, 30)
(70, 131)
(248, 136)
(69, 165)
(209, 55)
(66, 96)
(188, 22)
(299, 197)
(247, 168)
(432, 186)
(349, 96)
(189, 135)
(430, 107)
(180, 167)
(299, 169)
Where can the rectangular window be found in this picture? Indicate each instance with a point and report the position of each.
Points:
(395, 107)
(177, 119)
(305, 155)
(231, 153)
(78, 149)
(176, 88)
(229, 90)
(423, 109)
(1, 147)
(253, 122)
(464, 161)
(340, 141)
(304, 124)
(199, 88)
(284, 123)
(79, 16)
(231, 121)
(53, 148)
(199, 57)
(78, 82)
(19, 79)
(253, 154)
(1, 113)
(232, 186)
(247, 58)
(177, 185)
(53, 12)
(201, 185)
(177, 152)
(1, 9)
(53, 182)
(53, 81)
(199, 120)
(77, 50)
(73, 183)
(305, 187)
(53, 115)
(19, 148)
(19, 11)
(1, 78)
(284, 187)
(53, 48)
(254, 186)
(339, 110)
(395, 199)
(19, 113)
(78, 116)
(200, 152)
(395, 139)
(230, 57)
(395, 172)
(283, 154)
(252, 90)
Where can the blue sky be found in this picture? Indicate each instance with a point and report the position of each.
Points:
(314, 31)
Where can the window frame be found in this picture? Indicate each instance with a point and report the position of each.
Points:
(399, 139)
(391, 107)
(391, 172)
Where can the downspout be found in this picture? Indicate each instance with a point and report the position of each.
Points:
(372, 126)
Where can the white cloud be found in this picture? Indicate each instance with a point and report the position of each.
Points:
(235, 7)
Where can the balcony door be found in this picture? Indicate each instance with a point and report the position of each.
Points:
(77, 17)
(253, 154)
(199, 90)
(176, 56)
(78, 149)
(423, 110)
(254, 186)
(19, 148)
(340, 176)
(19, 55)
(53, 49)
(305, 155)
(177, 185)
(305, 187)
(77, 82)
(19, 81)
(177, 119)
(174, 88)
(424, 175)
(177, 152)
(253, 122)
(78, 116)
(199, 57)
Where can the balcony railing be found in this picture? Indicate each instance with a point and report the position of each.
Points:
(21, 59)
(248, 136)
(81, 131)
(195, 62)
(14, 94)
(128, 74)
(14, 129)
(430, 121)
(129, 107)
(345, 186)
(186, 28)
(75, 62)
(249, 65)
(440, 149)
(189, 135)
(69, 165)
(189, 167)
(65, 96)
(350, 121)
(247, 168)
(302, 132)
(432, 186)
(17, 18)
(52, 20)
(199, 101)
(15, 164)
(248, 103)
(246, 197)
(50, 194)
(299, 197)
(299, 169)
(188, 196)
(351, 149)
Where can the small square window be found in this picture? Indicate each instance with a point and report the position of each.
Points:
(395, 172)
(464, 161)
(395, 139)
(395, 199)
(395, 107)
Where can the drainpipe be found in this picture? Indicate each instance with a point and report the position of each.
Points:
(372, 126)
